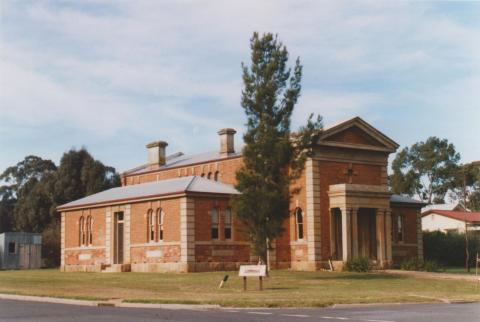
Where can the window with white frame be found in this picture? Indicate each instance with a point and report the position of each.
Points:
(151, 225)
(227, 224)
(214, 223)
(160, 221)
(299, 223)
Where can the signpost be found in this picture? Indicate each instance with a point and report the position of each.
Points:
(253, 271)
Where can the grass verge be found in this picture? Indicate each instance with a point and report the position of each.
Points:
(282, 289)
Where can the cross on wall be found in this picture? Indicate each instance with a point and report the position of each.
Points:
(350, 172)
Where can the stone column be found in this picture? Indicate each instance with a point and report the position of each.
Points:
(313, 219)
(108, 236)
(346, 234)
(126, 234)
(354, 224)
(388, 235)
(187, 234)
(380, 227)
(419, 236)
(62, 242)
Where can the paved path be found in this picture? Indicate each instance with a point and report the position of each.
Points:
(23, 311)
(448, 276)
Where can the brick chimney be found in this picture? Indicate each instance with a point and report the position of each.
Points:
(156, 153)
(227, 142)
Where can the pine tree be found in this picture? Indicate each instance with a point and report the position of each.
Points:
(273, 155)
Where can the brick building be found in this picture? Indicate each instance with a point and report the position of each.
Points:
(174, 212)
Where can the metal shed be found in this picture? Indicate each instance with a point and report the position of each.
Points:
(20, 250)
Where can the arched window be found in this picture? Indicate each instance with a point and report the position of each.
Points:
(227, 224)
(202, 175)
(89, 230)
(151, 225)
(215, 177)
(82, 236)
(160, 220)
(299, 222)
(209, 176)
(214, 229)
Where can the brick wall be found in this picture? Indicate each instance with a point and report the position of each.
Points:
(226, 172)
(335, 173)
(408, 248)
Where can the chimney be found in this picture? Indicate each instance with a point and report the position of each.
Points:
(227, 143)
(156, 153)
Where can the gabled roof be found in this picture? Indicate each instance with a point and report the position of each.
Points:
(179, 160)
(383, 143)
(470, 217)
(183, 185)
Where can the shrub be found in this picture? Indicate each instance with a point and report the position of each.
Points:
(361, 264)
(413, 264)
(449, 249)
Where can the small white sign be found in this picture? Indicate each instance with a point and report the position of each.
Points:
(84, 257)
(252, 270)
(154, 253)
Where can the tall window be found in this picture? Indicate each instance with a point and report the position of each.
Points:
(160, 219)
(227, 224)
(299, 222)
(214, 229)
(82, 237)
(89, 230)
(215, 177)
(151, 225)
(209, 176)
(400, 229)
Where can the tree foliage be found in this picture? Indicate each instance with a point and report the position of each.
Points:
(467, 186)
(35, 187)
(273, 155)
(426, 169)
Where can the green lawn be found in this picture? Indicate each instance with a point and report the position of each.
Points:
(282, 288)
(459, 270)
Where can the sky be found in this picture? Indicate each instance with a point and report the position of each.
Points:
(113, 76)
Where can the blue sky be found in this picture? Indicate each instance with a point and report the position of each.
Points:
(115, 75)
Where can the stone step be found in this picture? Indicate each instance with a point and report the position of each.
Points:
(116, 268)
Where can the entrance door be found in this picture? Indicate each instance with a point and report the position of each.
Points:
(118, 239)
(337, 248)
(24, 256)
(367, 238)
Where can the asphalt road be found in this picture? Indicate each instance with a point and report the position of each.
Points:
(20, 311)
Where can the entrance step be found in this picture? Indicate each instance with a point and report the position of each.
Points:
(116, 268)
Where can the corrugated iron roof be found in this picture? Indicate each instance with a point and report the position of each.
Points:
(192, 184)
(404, 199)
(179, 159)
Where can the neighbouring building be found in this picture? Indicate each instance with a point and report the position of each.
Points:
(174, 213)
(450, 221)
(20, 250)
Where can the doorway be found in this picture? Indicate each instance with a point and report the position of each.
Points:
(367, 238)
(118, 238)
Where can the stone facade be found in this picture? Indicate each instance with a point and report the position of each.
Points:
(341, 209)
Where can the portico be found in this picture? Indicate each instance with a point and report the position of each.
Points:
(360, 223)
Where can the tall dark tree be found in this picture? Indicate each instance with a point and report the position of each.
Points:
(426, 169)
(273, 155)
(36, 187)
(22, 181)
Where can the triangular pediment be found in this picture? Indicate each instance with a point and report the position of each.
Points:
(358, 134)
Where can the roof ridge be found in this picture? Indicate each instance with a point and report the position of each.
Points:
(190, 183)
